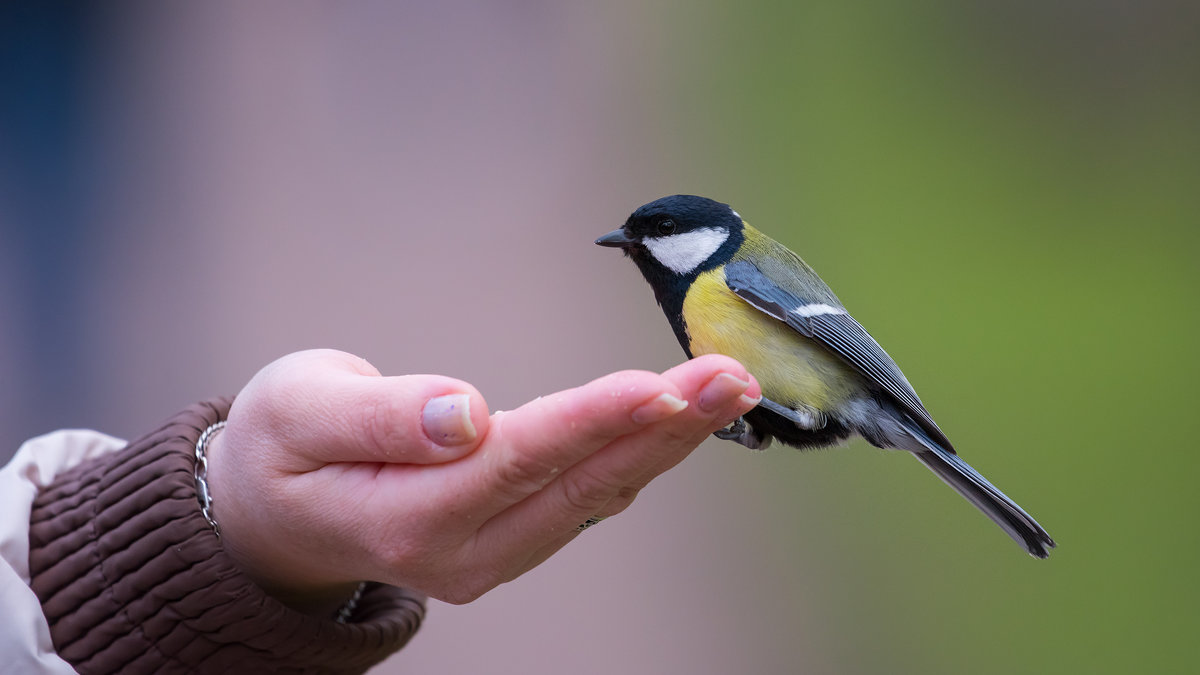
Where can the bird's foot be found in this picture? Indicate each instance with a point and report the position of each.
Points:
(742, 433)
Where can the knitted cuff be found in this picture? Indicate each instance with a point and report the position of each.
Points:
(132, 579)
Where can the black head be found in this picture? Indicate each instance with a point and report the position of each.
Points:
(675, 238)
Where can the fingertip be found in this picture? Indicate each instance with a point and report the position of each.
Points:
(753, 394)
(630, 391)
(446, 420)
(481, 416)
(595, 413)
(658, 408)
(454, 421)
(420, 419)
(696, 373)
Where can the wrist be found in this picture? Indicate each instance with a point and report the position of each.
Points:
(282, 579)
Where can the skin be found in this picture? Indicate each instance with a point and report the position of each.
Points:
(326, 475)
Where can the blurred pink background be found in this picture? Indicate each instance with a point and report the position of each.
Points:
(420, 186)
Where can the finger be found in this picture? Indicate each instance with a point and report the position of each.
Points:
(528, 447)
(721, 399)
(606, 482)
(325, 407)
(716, 386)
(735, 409)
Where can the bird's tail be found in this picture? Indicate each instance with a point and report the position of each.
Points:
(976, 489)
(1004, 511)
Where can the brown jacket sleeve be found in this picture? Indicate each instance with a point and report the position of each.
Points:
(133, 580)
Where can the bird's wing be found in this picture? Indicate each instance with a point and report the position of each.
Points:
(833, 328)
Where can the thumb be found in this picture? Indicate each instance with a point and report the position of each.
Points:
(326, 407)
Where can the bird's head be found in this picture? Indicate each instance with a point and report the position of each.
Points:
(678, 237)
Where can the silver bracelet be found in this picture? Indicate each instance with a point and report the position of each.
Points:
(347, 609)
(204, 496)
(202, 492)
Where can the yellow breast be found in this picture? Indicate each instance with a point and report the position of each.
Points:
(791, 368)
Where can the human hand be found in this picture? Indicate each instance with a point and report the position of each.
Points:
(328, 474)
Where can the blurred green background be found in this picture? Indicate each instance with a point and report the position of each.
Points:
(1006, 194)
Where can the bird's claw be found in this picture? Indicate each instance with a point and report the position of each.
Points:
(733, 431)
(742, 433)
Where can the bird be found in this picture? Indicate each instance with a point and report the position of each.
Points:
(727, 288)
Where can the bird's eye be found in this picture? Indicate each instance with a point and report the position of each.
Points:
(665, 227)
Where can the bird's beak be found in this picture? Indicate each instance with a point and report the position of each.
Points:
(615, 239)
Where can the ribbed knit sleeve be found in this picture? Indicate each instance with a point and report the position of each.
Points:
(132, 579)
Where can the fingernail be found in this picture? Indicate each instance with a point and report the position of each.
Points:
(720, 390)
(750, 400)
(658, 409)
(447, 420)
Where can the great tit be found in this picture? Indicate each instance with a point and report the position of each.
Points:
(727, 288)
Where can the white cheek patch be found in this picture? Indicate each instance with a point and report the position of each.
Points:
(816, 309)
(682, 253)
